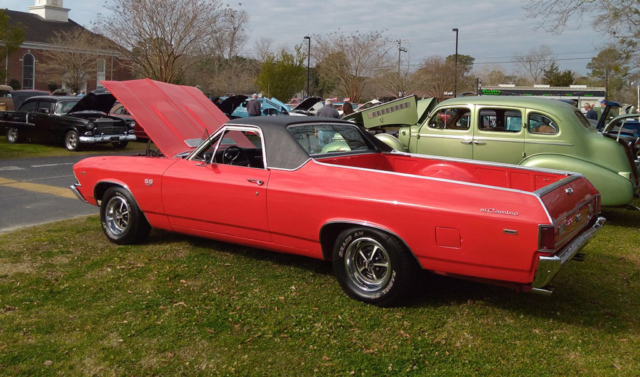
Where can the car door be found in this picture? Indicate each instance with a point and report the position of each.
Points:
(28, 109)
(498, 134)
(43, 120)
(217, 193)
(447, 132)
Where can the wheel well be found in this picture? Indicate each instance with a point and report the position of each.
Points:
(102, 187)
(330, 232)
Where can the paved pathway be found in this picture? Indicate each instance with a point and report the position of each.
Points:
(36, 191)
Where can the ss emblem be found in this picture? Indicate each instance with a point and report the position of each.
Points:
(148, 182)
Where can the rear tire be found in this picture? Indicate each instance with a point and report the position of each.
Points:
(120, 144)
(72, 141)
(122, 220)
(13, 135)
(373, 266)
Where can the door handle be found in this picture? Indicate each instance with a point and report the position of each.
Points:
(479, 143)
(256, 181)
(466, 141)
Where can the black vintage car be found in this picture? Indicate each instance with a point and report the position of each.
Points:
(73, 121)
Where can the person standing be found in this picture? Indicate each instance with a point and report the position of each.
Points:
(328, 111)
(253, 107)
(591, 113)
(347, 108)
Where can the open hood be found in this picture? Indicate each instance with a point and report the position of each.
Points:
(230, 104)
(306, 105)
(405, 111)
(95, 102)
(171, 115)
(622, 119)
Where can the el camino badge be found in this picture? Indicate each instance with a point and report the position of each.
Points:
(498, 212)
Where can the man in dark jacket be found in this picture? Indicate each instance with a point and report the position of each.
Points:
(253, 107)
(591, 113)
(328, 111)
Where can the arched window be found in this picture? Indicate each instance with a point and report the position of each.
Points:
(28, 71)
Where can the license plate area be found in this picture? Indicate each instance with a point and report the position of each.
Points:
(114, 138)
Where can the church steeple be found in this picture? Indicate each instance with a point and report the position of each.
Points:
(50, 10)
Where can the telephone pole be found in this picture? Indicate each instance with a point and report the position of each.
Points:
(400, 49)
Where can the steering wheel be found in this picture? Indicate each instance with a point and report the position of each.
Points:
(235, 156)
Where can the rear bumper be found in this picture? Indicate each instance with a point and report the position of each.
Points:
(74, 189)
(548, 266)
(106, 138)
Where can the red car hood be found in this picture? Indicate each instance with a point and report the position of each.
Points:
(171, 115)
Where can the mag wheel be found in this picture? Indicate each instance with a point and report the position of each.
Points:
(372, 266)
(13, 135)
(122, 221)
(71, 141)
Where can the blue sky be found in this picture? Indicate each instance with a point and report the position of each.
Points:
(490, 31)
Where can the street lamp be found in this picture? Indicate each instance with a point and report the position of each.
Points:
(455, 79)
(308, 63)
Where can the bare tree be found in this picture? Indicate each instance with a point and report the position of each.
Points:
(620, 18)
(352, 61)
(263, 47)
(75, 58)
(162, 39)
(436, 77)
(536, 61)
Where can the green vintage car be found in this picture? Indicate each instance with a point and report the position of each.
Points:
(527, 131)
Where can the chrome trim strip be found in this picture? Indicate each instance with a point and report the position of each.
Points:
(105, 138)
(74, 189)
(368, 225)
(22, 123)
(548, 266)
(549, 143)
(497, 139)
(446, 136)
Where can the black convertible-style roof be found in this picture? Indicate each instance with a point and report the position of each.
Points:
(282, 149)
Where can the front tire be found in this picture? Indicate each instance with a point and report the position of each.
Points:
(373, 266)
(72, 141)
(13, 135)
(122, 220)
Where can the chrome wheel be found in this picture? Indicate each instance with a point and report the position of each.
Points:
(117, 215)
(367, 264)
(12, 135)
(71, 141)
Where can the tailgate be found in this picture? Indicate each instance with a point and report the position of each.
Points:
(572, 204)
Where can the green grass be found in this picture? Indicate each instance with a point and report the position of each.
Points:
(30, 150)
(184, 305)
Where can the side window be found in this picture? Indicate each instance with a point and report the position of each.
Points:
(29, 107)
(232, 147)
(451, 119)
(500, 120)
(541, 124)
(44, 107)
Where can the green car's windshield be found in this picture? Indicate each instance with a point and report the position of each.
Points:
(329, 138)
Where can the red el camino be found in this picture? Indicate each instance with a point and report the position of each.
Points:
(327, 189)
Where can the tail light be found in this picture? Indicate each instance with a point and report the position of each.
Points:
(546, 238)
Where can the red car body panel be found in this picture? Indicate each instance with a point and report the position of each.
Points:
(456, 217)
(179, 113)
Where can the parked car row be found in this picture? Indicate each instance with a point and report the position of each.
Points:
(321, 188)
(524, 131)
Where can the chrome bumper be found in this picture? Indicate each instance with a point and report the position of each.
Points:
(548, 267)
(74, 189)
(106, 138)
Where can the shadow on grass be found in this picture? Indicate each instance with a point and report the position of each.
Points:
(581, 299)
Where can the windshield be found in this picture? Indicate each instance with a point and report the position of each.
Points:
(64, 106)
(330, 138)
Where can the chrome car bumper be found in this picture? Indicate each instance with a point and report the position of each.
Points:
(74, 189)
(548, 267)
(106, 138)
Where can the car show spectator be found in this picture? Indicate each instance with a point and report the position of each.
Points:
(347, 108)
(591, 113)
(328, 111)
(81, 94)
(253, 107)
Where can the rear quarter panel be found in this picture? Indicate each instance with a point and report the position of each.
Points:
(429, 215)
